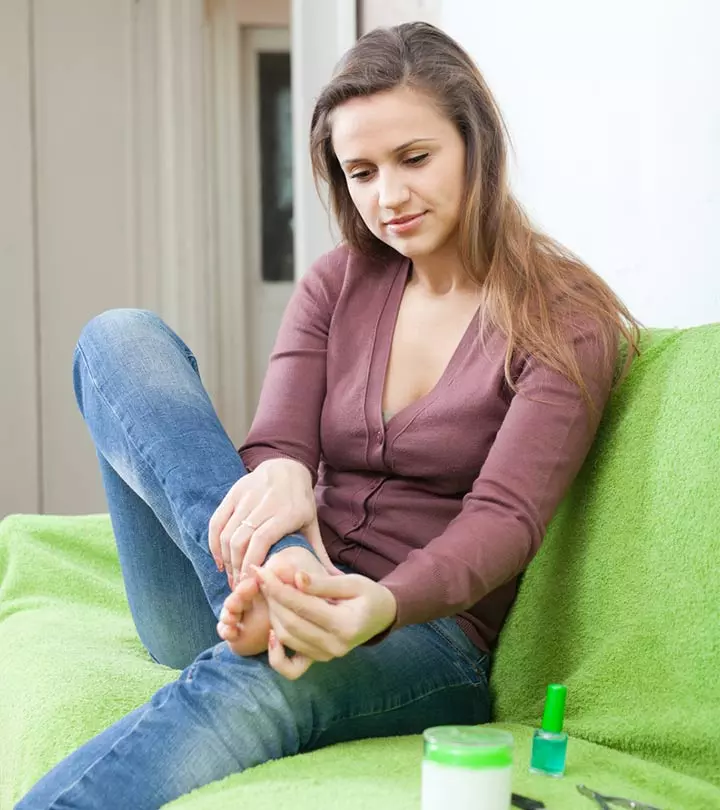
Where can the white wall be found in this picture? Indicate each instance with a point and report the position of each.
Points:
(321, 31)
(373, 13)
(614, 110)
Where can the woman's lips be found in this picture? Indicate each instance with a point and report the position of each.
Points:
(405, 224)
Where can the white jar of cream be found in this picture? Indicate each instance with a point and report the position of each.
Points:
(466, 768)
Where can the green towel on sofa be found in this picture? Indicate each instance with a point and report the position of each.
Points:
(621, 604)
(627, 580)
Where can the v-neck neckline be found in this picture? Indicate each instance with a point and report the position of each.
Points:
(380, 360)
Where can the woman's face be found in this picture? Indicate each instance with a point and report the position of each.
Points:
(404, 163)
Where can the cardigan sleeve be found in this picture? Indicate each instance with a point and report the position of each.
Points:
(287, 420)
(539, 449)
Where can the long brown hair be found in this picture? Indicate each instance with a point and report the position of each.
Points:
(533, 287)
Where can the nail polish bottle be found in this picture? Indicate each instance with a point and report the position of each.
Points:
(549, 745)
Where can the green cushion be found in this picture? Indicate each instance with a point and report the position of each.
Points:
(620, 604)
(622, 601)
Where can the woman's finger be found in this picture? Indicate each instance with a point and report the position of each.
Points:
(239, 543)
(312, 532)
(243, 507)
(305, 605)
(303, 636)
(327, 586)
(290, 668)
(251, 542)
(267, 534)
(256, 532)
(217, 523)
(291, 641)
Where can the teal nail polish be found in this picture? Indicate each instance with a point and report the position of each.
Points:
(549, 746)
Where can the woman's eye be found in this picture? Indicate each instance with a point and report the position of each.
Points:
(365, 174)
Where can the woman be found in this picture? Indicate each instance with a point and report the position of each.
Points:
(435, 387)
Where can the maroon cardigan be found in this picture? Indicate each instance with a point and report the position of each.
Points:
(448, 502)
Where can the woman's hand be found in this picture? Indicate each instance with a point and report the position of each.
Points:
(322, 617)
(273, 500)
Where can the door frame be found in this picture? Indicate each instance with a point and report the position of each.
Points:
(189, 176)
(264, 300)
(320, 30)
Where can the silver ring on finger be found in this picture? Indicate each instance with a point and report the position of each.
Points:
(249, 524)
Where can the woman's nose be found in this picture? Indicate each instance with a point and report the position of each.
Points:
(392, 192)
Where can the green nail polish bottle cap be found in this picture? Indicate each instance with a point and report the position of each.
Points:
(554, 714)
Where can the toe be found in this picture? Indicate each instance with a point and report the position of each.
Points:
(228, 632)
(241, 596)
(229, 617)
(285, 572)
(247, 589)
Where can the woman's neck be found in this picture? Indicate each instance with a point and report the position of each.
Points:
(441, 274)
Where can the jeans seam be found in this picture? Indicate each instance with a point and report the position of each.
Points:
(465, 685)
(477, 668)
(74, 784)
(467, 682)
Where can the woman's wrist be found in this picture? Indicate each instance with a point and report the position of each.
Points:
(392, 604)
(387, 610)
(290, 466)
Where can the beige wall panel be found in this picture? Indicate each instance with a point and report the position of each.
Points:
(267, 12)
(19, 490)
(85, 237)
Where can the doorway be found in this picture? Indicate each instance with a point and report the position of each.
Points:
(267, 209)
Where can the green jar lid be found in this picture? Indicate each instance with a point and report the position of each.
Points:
(468, 746)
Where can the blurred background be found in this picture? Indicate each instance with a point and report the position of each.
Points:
(153, 153)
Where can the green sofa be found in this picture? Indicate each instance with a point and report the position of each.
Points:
(622, 604)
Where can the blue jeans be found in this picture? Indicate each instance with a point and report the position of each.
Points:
(166, 464)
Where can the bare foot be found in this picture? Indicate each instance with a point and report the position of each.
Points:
(244, 622)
